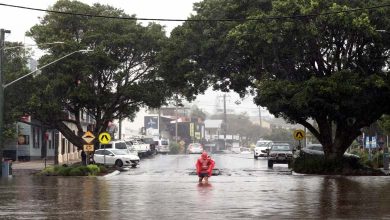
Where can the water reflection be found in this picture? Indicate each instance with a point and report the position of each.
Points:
(53, 198)
(252, 192)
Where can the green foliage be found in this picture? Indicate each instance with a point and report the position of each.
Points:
(376, 160)
(280, 134)
(74, 170)
(112, 82)
(103, 169)
(332, 69)
(384, 123)
(65, 171)
(93, 169)
(174, 148)
(14, 66)
(317, 164)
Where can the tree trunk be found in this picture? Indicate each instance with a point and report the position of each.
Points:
(68, 133)
(343, 139)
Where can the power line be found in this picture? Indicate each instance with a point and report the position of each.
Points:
(201, 20)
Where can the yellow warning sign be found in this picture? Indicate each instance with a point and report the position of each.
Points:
(299, 134)
(104, 138)
(88, 137)
(88, 147)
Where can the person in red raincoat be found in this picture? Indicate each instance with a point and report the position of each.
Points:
(204, 167)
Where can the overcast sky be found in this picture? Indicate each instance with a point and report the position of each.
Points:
(18, 21)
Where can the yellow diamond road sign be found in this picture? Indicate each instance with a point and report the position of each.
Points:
(299, 134)
(104, 138)
(88, 137)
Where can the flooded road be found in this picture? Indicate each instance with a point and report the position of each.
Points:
(162, 188)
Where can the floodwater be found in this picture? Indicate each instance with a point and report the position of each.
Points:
(162, 188)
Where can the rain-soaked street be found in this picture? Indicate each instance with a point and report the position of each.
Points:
(163, 188)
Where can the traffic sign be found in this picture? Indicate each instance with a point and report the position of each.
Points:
(88, 147)
(88, 137)
(299, 134)
(104, 138)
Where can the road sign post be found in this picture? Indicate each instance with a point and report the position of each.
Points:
(88, 137)
(299, 135)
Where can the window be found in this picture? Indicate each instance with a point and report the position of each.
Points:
(120, 145)
(23, 140)
(106, 146)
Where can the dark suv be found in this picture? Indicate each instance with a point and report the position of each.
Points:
(280, 153)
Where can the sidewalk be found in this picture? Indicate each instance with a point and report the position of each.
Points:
(30, 167)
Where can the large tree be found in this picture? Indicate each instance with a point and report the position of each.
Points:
(111, 82)
(303, 59)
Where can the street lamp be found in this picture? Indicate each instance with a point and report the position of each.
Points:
(42, 67)
(3, 86)
(31, 45)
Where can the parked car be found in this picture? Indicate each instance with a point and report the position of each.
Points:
(261, 149)
(280, 153)
(195, 148)
(115, 157)
(152, 145)
(162, 146)
(319, 150)
(245, 150)
(137, 145)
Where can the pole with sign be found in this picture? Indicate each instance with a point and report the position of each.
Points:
(299, 135)
(88, 137)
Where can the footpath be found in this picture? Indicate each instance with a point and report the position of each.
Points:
(30, 167)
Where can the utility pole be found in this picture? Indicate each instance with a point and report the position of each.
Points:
(224, 119)
(2, 45)
(260, 120)
(159, 123)
(120, 130)
(176, 119)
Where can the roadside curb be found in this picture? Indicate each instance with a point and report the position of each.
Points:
(116, 172)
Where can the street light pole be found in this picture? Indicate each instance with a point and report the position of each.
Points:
(2, 42)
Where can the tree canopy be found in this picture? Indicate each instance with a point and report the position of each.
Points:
(111, 82)
(304, 60)
(16, 59)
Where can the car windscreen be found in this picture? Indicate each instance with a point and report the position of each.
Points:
(195, 145)
(105, 146)
(119, 152)
(280, 148)
(121, 145)
(263, 144)
(315, 147)
(164, 142)
(148, 140)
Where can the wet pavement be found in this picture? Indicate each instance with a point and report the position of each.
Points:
(163, 188)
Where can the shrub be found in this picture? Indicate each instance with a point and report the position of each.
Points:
(317, 164)
(174, 148)
(103, 169)
(76, 171)
(48, 171)
(64, 171)
(93, 169)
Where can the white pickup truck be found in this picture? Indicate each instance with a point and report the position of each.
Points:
(137, 145)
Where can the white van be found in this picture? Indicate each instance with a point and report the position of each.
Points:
(121, 145)
(162, 146)
(114, 145)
